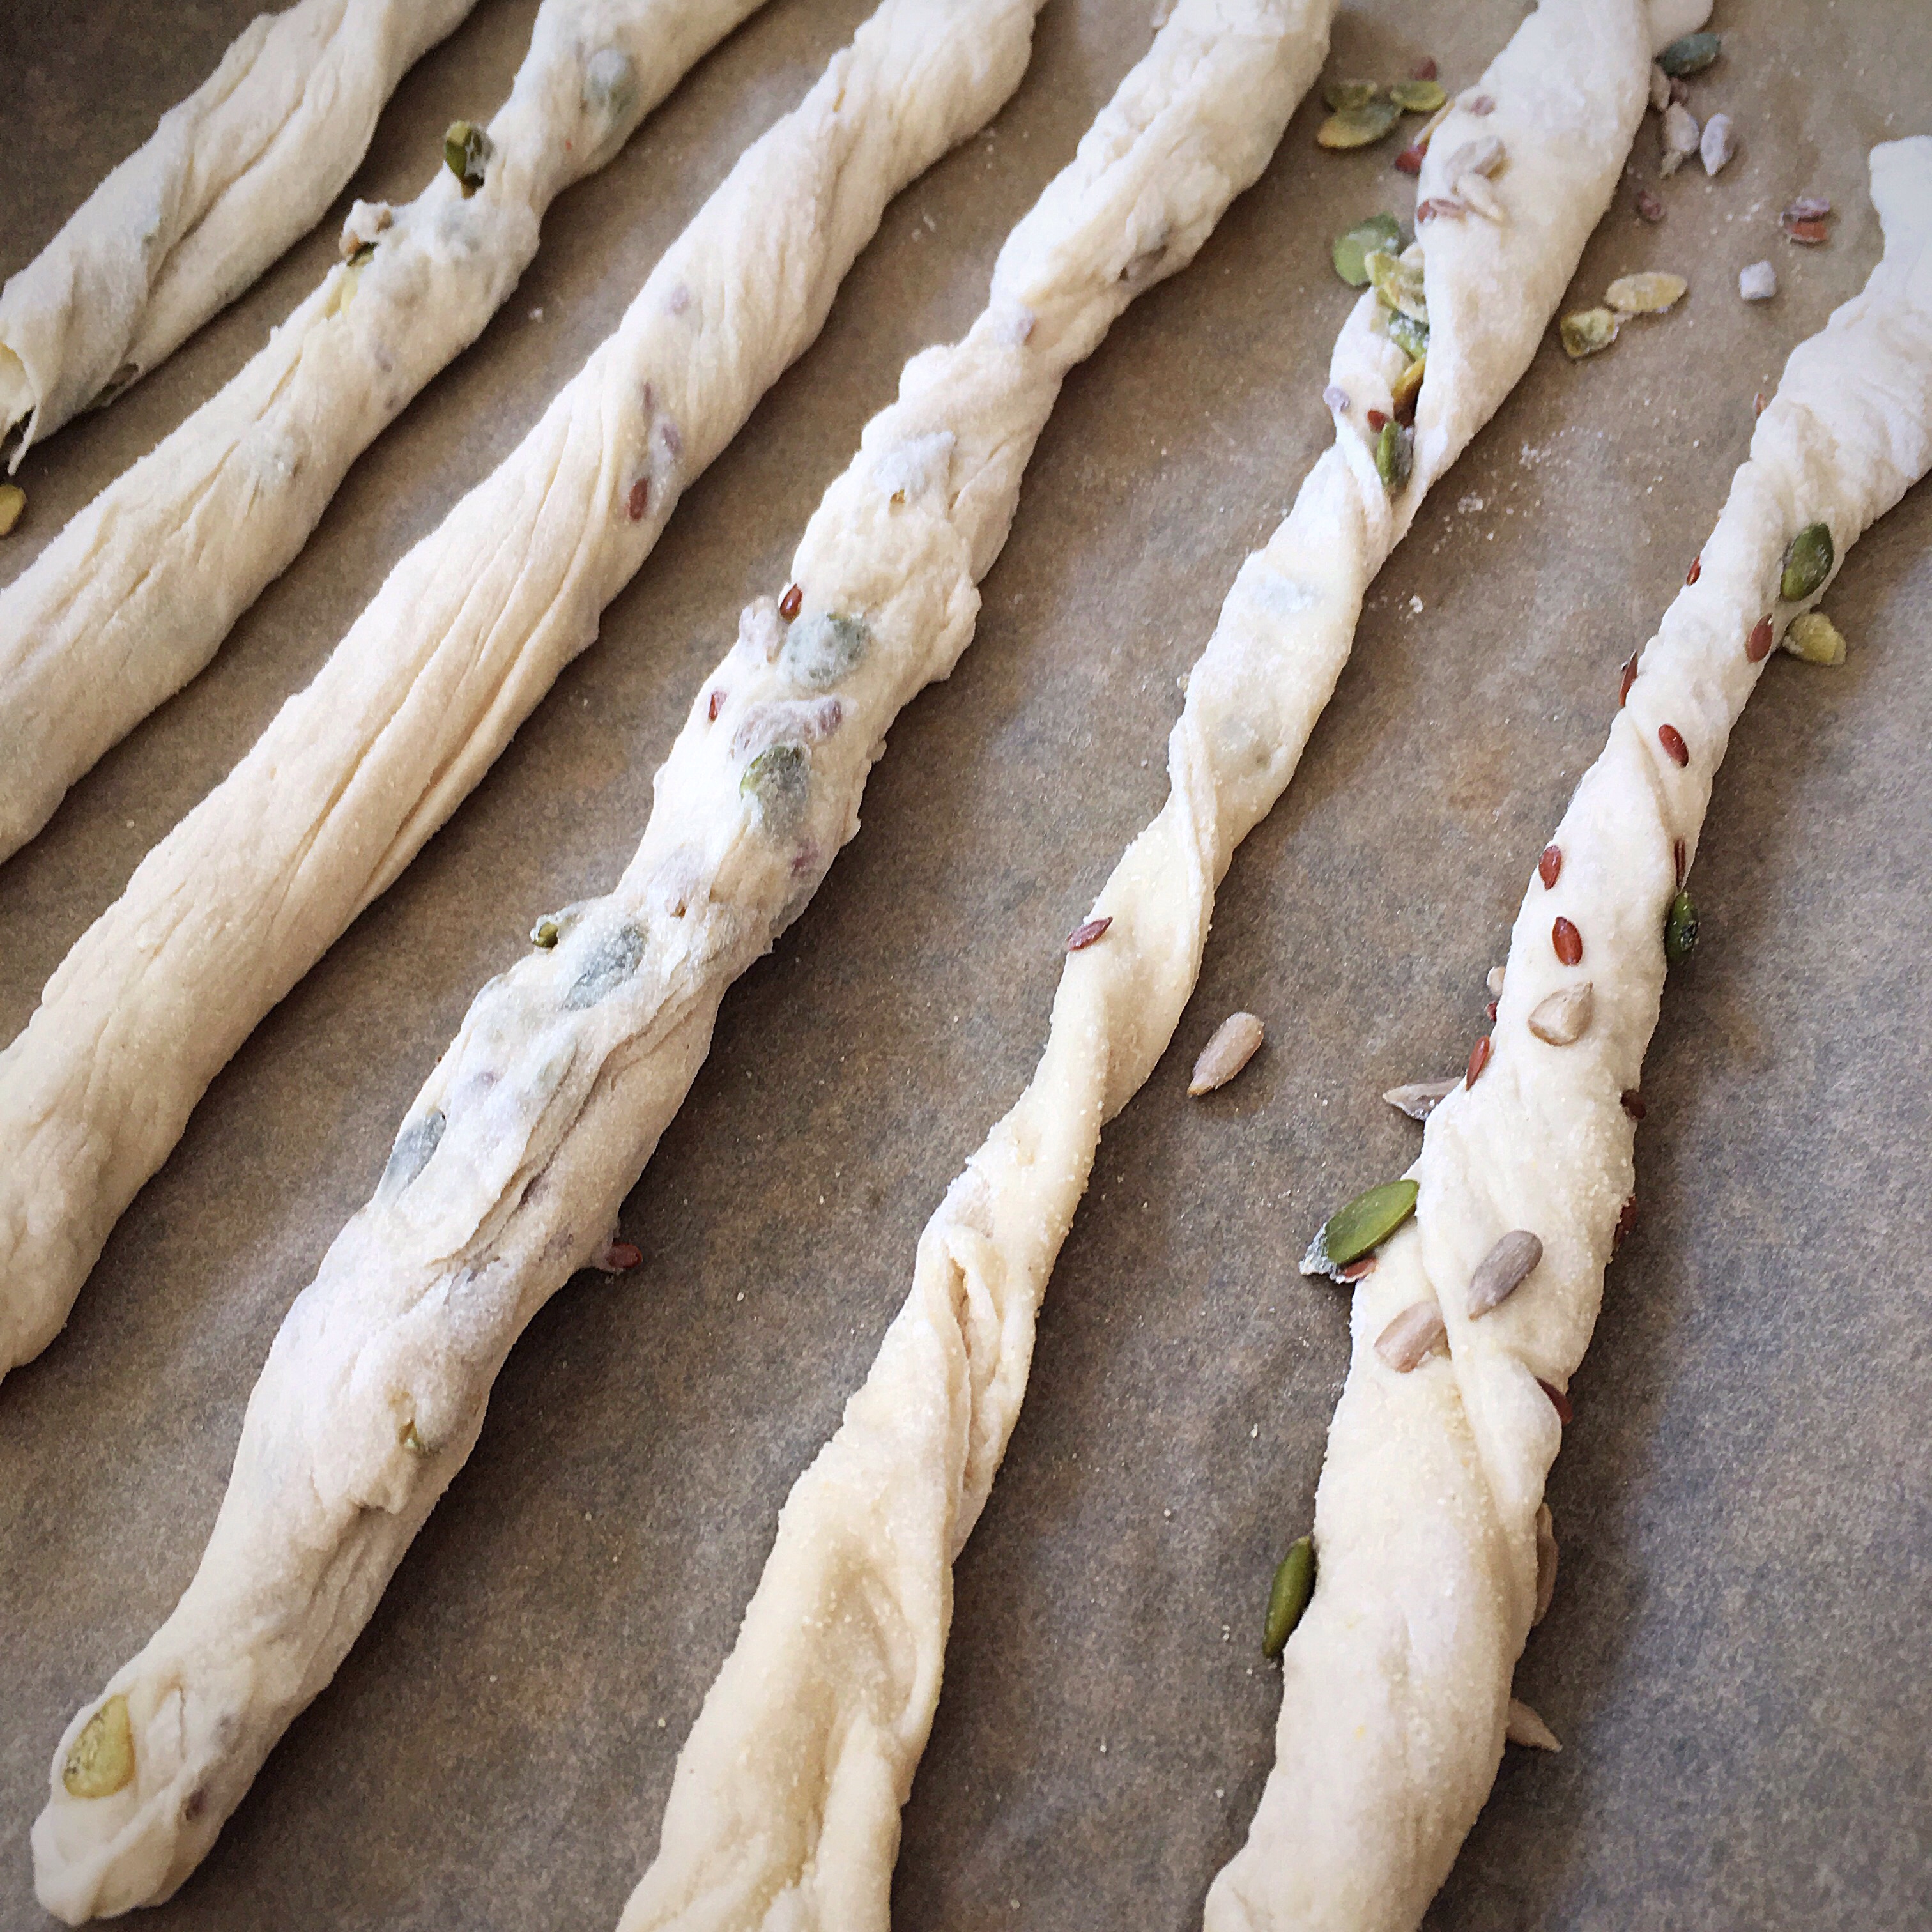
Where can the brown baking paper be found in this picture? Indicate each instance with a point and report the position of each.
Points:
(1739, 1658)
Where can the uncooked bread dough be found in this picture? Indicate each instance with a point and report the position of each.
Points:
(784, 1804)
(1396, 1686)
(232, 175)
(136, 594)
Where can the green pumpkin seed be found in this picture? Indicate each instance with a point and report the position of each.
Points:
(1287, 1596)
(1649, 294)
(1395, 455)
(1366, 1223)
(1417, 96)
(819, 650)
(777, 780)
(611, 961)
(1408, 387)
(1399, 286)
(1691, 55)
(546, 933)
(1680, 929)
(1807, 562)
(410, 1440)
(1351, 250)
(1358, 127)
(1588, 332)
(1407, 333)
(411, 1154)
(465, 152)
(100, 1760)
(1815, 638)
(1344, 95)
(13, 500)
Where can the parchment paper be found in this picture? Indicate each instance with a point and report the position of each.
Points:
(1739, 1659)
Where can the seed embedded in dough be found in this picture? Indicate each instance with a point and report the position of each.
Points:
(1479, 1058)
(1567, 941)
(1497, 977)
(1420, 1098)
(1757, 645)
(1503, 1270)
(1549, 867)
(1671, 739)
(789, 604)
(1236, 1041)
(1415, 1333)
(1084, 935)
(1564, 1017)
(1545, 1562)
(100, 1760)
(13, 502)
(1524, 1727)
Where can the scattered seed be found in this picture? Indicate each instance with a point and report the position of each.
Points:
(1627, 678)
(1350, 249)
(1814, 637)
(1696, 569)
(639, 498)
(1408, 387)
(1757, 645)
(100, 1760)
(1681, 137)
(1494, 980)
(1503, 1270)
(1363, 1223)
(1409, 161)
(1807, 208)
(1652, 293)
(1758, 402)
(1414, 1334)
(1558, 1401)
(1417, 96)
(617, 1257)
(1631, 1100)
(1358, 127)
(1680, 929)
(1660, 89)
(1084, 934)
(1568, 942)
(1523, 1727)
(1671, 739)
(1563, 1018)
(1626, 1221)
(1343, 95)
(1691, 55)
(1287, 1596)
(1809, 234)
(1336, 398)
(1420, 1098)
(1490, 1011)
(1650, 204)
(1236, 1041)
(13, 501)
(1588, 332)
(466, 150)
(1758, 283)
(1807, 562)
(1395, 455)
(1718, 144)
(1427, 70)
(791, 602)
(1479, 1058)
(1546, 1561)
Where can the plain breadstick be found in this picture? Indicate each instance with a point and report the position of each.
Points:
(232, 175)
(136, 593)
(467, 634)
(1396, 1686)
(817, 1715)
(510, 1165)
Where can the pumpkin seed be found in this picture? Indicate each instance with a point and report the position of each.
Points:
(13, 501)
(1807, 562)
(1588, 332)
(1399, 285)
(1523, 1727)
(820, 650)
(411, 1440)
(1718, 143)
(1365, 1223)
(1344, 95)
(1350, 250)
(1395, 455)
(1408, 387)
(100, 1760)
(1287, 1596)
(1417, 96)
(1236, 1042)
(1680, 138)
(1815, 638)
(1406, 333)
(1503, 1270)
(1680, 929)
(611, 961)
(1358, 127)
(777, 780)
(1546, 1561)
(1564, 1017)
(466, 150)
(1413, 1335)
(1691, 55)
(411, 1154)
(1649, 294)
(1420, 1098)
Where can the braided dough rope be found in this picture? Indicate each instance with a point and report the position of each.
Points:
(788, 1787)
(232, 175)
(467, 633)
(511, 1168)
(1396, 1684)
(135, 595)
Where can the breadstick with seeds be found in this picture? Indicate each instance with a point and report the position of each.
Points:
(467, 633)
(232, 176)
(784, 1801)
(134, 596)
(1432, 1565)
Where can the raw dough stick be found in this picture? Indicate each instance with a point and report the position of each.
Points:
(135, 596)
(232, 175)
(467, 633)
(511, 1166)
(1396, 1684)
(806, 1742)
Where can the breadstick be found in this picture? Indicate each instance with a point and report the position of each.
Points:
(1395, 1685)
(787, 1785)
(135, 595)
(467, 634)
(512, 1164)
(232, 175)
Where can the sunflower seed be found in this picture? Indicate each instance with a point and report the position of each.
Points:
(1652, 293)
(1717, 145)
(1546, 1561)
(1420, 1098)
(1523, 1727)
(1236, 1041)
(1414, 1334)
(1680, 137)
(1503, 1270)
(1588, 332)
(1564, 1018)
(1495, 982)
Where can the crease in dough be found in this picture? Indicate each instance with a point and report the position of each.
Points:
(1426, 1514)
(230, 177)
(136, 594)
(467, 634)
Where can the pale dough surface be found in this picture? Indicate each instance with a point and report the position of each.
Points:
(136, 593)
(232, 175)
(1397, 1683)
(783, 1809)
